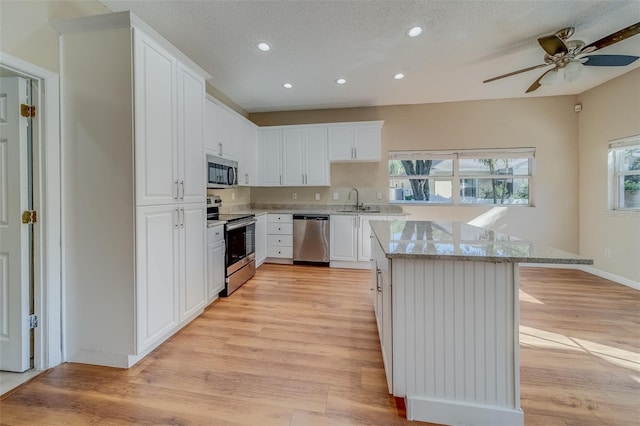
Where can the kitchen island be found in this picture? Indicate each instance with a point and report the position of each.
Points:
(447, 307)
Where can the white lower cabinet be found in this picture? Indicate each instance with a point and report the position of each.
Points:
(343, 239)
(170, 288)
(261, 239)
(280, 238)
(215, 262)
(381, 280)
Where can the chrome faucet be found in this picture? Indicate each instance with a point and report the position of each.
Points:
(357, 196)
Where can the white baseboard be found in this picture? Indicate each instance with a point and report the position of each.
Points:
(460, 413)
(590, 270)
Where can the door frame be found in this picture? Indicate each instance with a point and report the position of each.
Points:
(47, 202)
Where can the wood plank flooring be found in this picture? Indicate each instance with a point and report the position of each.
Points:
(298, 345)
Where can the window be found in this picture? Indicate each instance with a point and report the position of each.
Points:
(493, 176)
(624, 173)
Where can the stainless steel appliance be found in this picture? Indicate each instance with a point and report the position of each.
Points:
(221, 172)
(240, 244)
(311, 239)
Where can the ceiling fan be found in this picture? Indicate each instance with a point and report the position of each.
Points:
(569, 56)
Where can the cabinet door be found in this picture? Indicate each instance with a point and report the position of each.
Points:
(271, 157)
(215, 260)
(364, 236)
(212, 127)
(191, 156)
(366, 142)
(261, 239)
(343, 241)
(317, 157)
(193, 246)
(155, 123)
(231, 133)
(157, 273)
(292, 157)
(340, 143)
(247, 162)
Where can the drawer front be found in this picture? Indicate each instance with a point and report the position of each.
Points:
(283, 252)
(280, 218)
(215, 234)
(280, 228)
(280, 240)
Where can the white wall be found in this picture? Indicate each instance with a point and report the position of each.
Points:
(610, 111)
(548, 124)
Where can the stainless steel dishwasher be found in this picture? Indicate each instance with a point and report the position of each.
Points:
(311, 239)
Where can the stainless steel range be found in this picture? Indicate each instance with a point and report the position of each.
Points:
(240, 246)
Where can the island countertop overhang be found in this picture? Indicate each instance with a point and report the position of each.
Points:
(445, 240)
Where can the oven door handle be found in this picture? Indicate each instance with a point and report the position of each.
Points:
(236, 225)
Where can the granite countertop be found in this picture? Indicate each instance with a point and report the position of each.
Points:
(460, 241)
(384, 210)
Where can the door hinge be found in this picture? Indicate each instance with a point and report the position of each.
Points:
(29, 216)
(33, 321)
(28, 111)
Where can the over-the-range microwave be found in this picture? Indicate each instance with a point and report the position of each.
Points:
(221, 172)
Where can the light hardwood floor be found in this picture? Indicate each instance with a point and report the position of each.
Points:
(299, 346)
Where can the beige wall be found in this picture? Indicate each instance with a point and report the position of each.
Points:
(548, 124)
(25, 31)
(610, 111)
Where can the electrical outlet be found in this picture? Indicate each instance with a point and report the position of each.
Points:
(379, 196)
(317, 196)
(233, 195)
(335, 196)
(295, 196)
(607, 252)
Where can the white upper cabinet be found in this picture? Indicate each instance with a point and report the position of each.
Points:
(156, 147)
(303, 156)
(355, 141)
(223, 131)
(169, 102)
(270, 149)
(248, 161)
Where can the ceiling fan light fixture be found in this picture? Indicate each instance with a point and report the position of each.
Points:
(572, 71)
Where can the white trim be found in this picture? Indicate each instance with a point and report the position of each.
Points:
(624, 142)
(588, 269)
(48, 285)
(460, 413)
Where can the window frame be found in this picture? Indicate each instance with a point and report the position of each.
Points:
(616, 176)
(457, 176)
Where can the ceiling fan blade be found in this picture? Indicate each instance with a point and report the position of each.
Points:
(609, 60)
(515, 72)
(536, 84)
(624, 33)
(553, 45)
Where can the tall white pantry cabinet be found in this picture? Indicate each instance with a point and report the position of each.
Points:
(134, 219)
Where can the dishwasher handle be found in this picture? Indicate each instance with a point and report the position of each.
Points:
(310, 217)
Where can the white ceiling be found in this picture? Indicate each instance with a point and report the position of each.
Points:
(315, 41)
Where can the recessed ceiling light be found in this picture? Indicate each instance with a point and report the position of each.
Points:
(287, 85)
(263, 46)
(414, 32)
(341, 81)
(399, 76)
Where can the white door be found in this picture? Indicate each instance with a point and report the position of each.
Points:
(156, 144)
(14, 236)
(190, 136)
(292, 155)
(343, 239)
(193, 249)
(317, 157)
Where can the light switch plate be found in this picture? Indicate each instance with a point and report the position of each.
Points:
(295, 196)
(379, 196)
(317, 196)
(233, 195)
(335, 196)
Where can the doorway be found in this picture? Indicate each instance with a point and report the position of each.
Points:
(30, 252)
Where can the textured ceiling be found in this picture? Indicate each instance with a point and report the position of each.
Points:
(314, 42)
